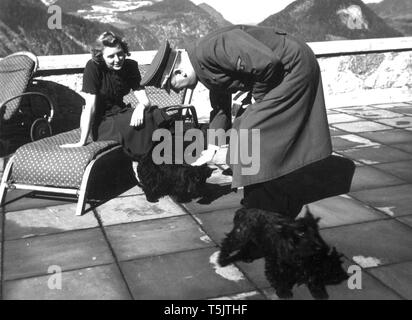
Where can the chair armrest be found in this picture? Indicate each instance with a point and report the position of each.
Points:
(50, 103)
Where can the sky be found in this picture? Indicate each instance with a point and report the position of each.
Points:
(250, 11)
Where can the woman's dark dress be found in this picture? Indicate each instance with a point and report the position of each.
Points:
(112, 116)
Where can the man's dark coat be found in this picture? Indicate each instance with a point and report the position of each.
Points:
(284, 77)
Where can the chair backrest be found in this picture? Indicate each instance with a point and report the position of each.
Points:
(16, 71)
(158, 97)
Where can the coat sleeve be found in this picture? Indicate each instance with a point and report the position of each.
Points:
(245, 57)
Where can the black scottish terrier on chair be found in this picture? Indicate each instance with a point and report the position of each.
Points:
(183, 181)
(294, 251)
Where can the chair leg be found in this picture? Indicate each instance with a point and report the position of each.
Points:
(82, 193)
(81, 202)
(4, 179)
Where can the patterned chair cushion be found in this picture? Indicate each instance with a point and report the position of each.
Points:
(158, 97)
(44, 163)
(15, 74)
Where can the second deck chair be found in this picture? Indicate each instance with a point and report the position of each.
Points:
(44, 166)
(20, 119)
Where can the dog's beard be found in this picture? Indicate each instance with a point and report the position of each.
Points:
(294, 251)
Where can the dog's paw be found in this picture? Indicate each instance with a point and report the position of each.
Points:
(152, 199)
(318, 292)
(183, 199)
(224, 260)
(284, 293)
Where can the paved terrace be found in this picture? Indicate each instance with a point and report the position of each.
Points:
(127, 248)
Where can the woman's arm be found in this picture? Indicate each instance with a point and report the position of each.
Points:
(138, 113)
(86, 121)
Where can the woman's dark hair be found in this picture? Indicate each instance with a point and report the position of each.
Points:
(107, 39)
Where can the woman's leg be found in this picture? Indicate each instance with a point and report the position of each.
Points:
(137, 141)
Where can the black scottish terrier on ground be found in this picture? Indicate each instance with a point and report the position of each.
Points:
(294, 251)
(183, 181)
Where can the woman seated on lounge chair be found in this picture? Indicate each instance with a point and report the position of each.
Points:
(107, 78)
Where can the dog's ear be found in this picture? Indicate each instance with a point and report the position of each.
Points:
(310, 218)
(240, 215)
(335, 253)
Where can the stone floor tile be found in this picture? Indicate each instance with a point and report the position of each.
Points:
(31, 222)
(1, 260)
(396, 276)
(371, 289)
(217, 223)
(70, 250)
(155, 237)
(336, 132)
(367, 177)
(135, 191)
(342, 210)
(331, 111)
(18, 200)
(191, 275)
(361, 126)
(354, 109)
(371, 113)
(340, 154)
(376, 154)
(2, 214)
(406, 220)
(403, 109)
(252, 295)
(389, 136)
(392, 105)
(407, 110)
(96, 283)
(349, 141)
(400, 122)
(219, 197)
(401, 169)
(394, 201)
(15, 195)
(372, 244)
(341, 117)
(407, 147)
(137, 208)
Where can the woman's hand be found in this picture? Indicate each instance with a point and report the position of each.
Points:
(137, 116)
(72, 145)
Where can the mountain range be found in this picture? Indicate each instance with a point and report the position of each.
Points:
(145, 23)
(396, 13)
(319, 20)
(24, 26)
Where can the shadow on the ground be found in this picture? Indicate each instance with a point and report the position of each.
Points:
(213, 192)
(322, 179)
(18, 130)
